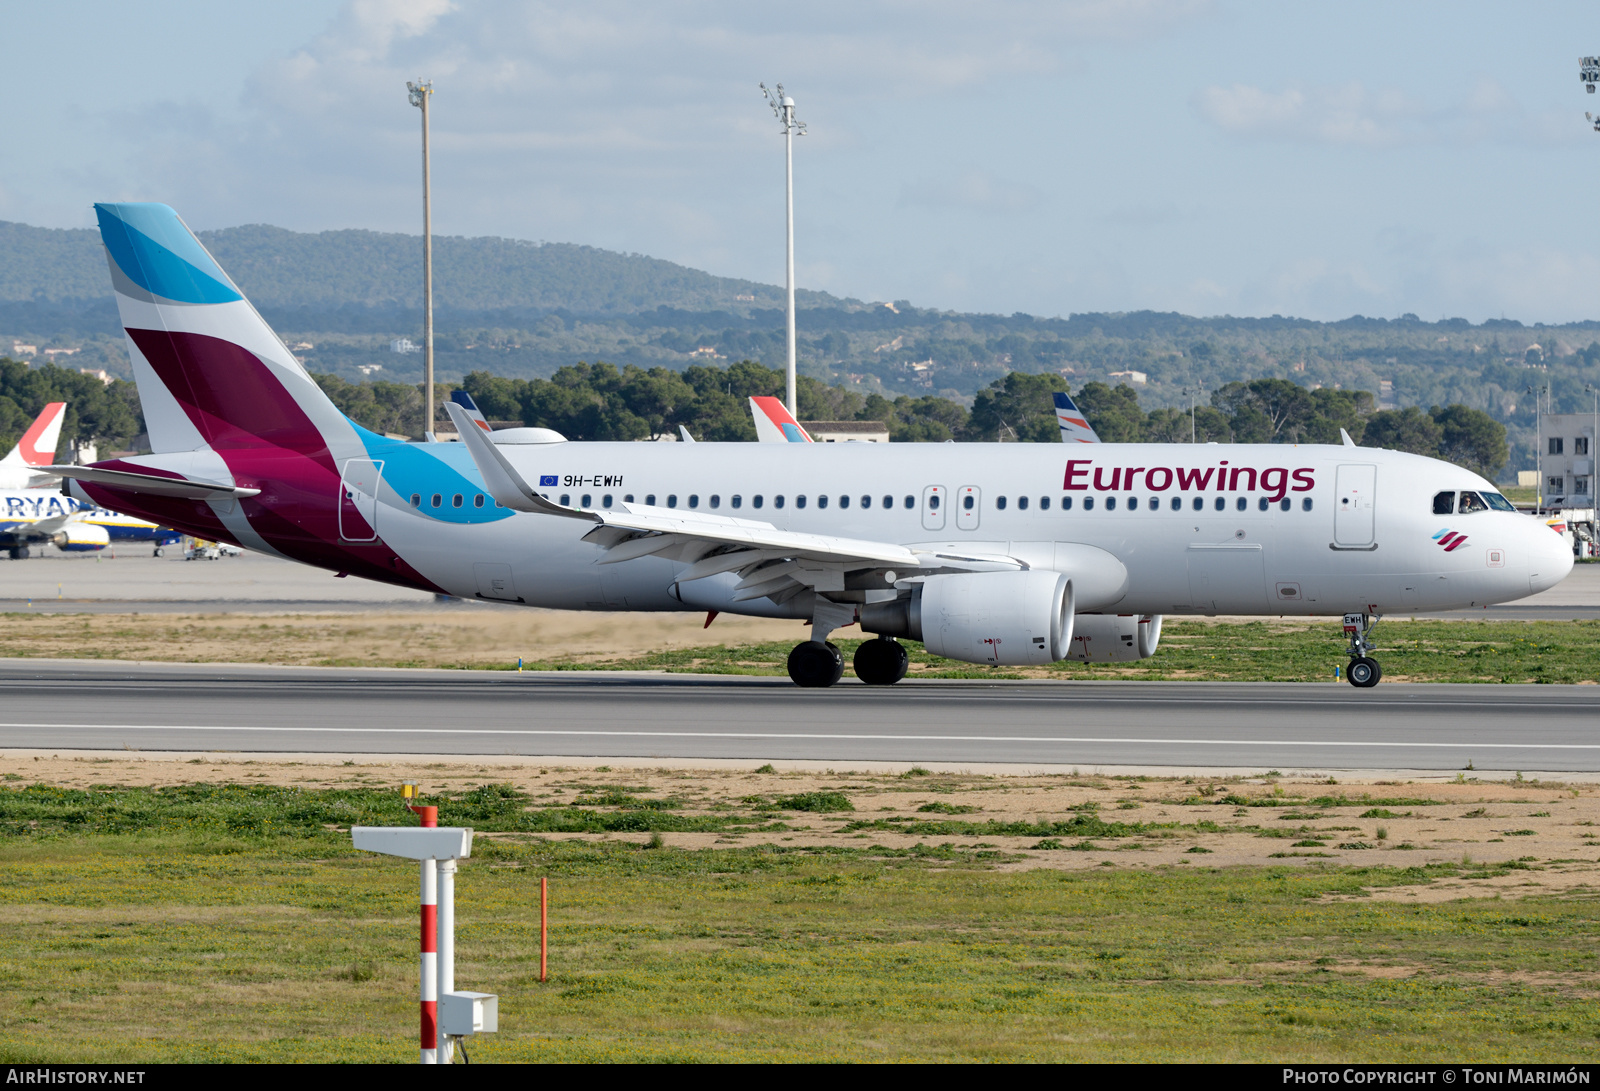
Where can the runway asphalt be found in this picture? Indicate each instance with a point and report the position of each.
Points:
(1285, 726)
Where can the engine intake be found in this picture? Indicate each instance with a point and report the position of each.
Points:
(1005, 618)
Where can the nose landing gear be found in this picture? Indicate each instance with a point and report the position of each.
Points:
(1364, 671)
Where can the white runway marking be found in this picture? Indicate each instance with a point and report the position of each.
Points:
(798, 735)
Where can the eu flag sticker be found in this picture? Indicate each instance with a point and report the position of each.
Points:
(548, 479)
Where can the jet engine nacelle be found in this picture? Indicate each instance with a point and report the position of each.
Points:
(81, 538)
(1115, 638)
(1005, 618)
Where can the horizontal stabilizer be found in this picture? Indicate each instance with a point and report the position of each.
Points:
(153, 485)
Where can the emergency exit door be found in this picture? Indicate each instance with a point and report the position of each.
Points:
(358, 500)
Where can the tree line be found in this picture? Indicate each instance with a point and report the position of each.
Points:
(603, 402)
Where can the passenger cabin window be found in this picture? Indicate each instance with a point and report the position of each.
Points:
(1022, 503)
(799, 502)
(672, 500)
(1305, 505)
(1088, 503)
(566, 500)
(736, 500)
(911, 502)
(1111, 503)
(1133, 503)
(1470, 502)
(866, 501)
(716, 501)
(628, 498)
(437, 499)
(649, 499)
(1177, 503)
(756, 500)
(999, 502)
(1263, 503)
(777, 502)
(1155, 503)
(1044, 503)
(694, 500)
(844, 501)
(416, 500)
(1222, 503)
(888, 503)
(587, 502)
(822, 501)
(477, 501)
(605, 501)
(1444, 503)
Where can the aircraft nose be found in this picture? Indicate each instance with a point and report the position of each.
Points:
(1549, 559)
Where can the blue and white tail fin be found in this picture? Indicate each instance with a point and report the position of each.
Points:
(1074, 425)
(212, 375)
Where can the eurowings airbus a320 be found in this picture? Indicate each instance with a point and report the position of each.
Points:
(987, 553)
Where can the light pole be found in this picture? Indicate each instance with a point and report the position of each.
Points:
(783, 106)
(419, 94)
(1193, 393)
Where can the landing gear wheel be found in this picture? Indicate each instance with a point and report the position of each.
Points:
(1364, 672)
(19, 553)
(881, 662)
(815, 666)
(157, 553)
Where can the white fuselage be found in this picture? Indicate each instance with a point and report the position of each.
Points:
(1359, 533)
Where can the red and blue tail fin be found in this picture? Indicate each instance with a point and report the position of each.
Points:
(774, 423)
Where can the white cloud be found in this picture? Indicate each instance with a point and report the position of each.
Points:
(1353, 113)
(974, 191)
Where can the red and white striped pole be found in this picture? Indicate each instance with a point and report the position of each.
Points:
(430, 947)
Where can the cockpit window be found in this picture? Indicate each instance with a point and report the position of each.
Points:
(1444, 503)
(1471, 501)
(1498, 502)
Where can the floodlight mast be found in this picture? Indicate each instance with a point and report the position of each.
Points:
(419, 92)
(783, 107)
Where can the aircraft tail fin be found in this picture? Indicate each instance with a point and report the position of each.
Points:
(37, 447)
(211, 372)
(470, 407)
(774, 423)
(1074, 425)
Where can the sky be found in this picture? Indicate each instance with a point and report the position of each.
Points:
(1204, 156)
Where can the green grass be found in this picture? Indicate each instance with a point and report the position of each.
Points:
(219, 924)
(1425, 651)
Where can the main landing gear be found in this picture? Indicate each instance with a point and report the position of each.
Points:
(1363, 671)
(881, 661)
(817, 664)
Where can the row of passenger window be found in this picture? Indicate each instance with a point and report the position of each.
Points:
(1220, 503)
(1198, 503)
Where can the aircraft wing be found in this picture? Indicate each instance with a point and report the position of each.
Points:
(772, 563)
(37, 530)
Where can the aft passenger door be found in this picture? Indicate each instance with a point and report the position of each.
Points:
(933, 503)
(969, 506)
(358, 500)
(1353, 513)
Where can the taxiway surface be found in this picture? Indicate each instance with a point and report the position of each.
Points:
(104, 705)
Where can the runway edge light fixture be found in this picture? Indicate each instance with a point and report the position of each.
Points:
(783, 106)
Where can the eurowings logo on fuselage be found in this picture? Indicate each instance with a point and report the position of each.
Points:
(1276, 481)
(1450, 540)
